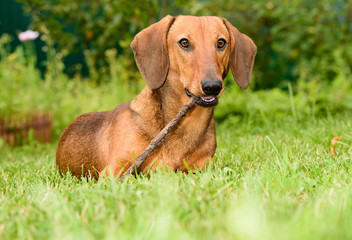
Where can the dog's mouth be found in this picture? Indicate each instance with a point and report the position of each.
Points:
(206, 101)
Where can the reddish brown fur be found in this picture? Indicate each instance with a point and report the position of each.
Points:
(105, 142)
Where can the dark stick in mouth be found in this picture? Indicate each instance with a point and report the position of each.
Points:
(206, 101)
(160, 138)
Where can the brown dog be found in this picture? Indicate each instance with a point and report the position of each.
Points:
(177, 57)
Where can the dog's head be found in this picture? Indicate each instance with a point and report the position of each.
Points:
(198, 51)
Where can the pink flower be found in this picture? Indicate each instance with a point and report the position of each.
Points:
(28, 35)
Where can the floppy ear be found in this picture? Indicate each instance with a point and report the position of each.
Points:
(243, 51)
(150, 52)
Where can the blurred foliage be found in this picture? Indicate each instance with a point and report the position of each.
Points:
(297, 40)
(21, 85)
(312, 100)
(92, 27)
(25, 91)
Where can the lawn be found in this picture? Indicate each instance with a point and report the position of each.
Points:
(271, 178)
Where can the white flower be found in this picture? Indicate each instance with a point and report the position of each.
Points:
(28, 35)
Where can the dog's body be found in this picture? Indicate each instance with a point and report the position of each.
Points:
(177, 57)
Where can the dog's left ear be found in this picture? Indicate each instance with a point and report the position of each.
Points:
(243, 51)
(150, 52)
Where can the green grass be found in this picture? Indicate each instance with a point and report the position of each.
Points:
(270, 179)
(273, 175)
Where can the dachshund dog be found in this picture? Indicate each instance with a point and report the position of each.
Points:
(177, 57)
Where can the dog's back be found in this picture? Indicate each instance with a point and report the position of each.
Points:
(77, 150)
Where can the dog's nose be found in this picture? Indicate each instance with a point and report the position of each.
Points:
(211, 86)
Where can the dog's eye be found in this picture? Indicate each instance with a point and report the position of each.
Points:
(184, 43)
(221, 44)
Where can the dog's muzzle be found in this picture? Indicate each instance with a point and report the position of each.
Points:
(205, 101)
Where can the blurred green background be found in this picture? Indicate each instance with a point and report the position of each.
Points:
(82, 61)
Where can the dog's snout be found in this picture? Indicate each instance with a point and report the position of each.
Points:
(211, 86)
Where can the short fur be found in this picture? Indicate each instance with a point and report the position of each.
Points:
(104, 143)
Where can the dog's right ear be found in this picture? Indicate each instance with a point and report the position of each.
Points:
(150, 52)
(243, 51)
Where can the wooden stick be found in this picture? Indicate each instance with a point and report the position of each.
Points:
(159, 138)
